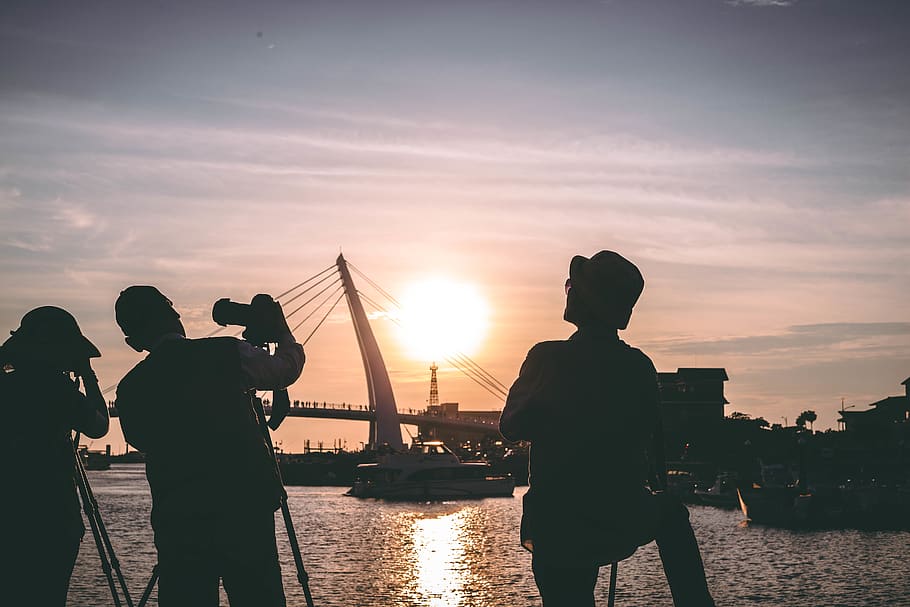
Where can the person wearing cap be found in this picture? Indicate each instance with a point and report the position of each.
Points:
(44, 362)
(589, 407)
(212, 475)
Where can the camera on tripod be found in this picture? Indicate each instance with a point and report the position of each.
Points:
(260, 317)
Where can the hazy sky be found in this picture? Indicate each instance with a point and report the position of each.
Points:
(750, 156)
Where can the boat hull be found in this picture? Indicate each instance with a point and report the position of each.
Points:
(434, 490)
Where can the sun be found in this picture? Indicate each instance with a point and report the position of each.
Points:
(440, 318)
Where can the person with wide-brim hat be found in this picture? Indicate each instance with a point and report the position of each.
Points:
(44, 363)
(589, 407)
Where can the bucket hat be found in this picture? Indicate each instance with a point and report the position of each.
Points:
(608, 284)
(45, 331)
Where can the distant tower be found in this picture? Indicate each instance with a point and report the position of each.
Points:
(434, 386)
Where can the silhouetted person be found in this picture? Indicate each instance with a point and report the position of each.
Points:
(188, 406)
(589, 407)
(42, 405)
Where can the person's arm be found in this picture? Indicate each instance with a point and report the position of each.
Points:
(91, 416)
(520, 417)
(651, 402)
(262, 371)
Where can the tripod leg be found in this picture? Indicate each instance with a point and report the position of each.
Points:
(149, 587)
(611, 597)
(81, 483)
(115, 563)
(302, 576)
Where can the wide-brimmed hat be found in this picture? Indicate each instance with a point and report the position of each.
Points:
(48, 332)
(140, 307)
(608, 284)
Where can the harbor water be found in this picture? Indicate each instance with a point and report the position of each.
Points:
(368, 553)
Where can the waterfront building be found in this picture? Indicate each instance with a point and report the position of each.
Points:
(692, 398)
(882, 415)
(692, 407)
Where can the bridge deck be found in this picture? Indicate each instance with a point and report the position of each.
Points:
(414, 417)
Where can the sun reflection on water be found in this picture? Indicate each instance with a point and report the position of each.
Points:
(442, 573)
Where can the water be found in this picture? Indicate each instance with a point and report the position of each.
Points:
(366, 553)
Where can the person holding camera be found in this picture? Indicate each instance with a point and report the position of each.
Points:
(188, 407)
(44, 362)
(589, 406)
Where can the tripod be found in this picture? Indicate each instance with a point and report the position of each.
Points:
(99, 531)
(281, 396)
(302, 576)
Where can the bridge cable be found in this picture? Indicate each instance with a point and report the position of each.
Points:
(323, 320)
(374, 285)
(333, 266)
(317, 308)
(310, 288)
(310, 300)
(468, 361)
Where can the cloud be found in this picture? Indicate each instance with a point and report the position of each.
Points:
(833, 338)
(40, 244)
(75, 216)
(761, 2)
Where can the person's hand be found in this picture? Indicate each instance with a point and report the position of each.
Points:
(83, 369)
(281, 323)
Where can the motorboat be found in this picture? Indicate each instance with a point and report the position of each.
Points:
(428, 471)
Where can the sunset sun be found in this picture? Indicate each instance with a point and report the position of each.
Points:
(441, 317)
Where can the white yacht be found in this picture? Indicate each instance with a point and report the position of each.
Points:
(428, 471)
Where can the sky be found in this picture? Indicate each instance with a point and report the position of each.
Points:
(750, 156)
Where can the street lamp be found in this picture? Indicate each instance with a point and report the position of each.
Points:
(841, 421)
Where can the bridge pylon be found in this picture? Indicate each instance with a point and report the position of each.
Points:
(385, 426)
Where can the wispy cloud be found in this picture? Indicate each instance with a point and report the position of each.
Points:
(75, 216)
(833, 338)
(761, 2)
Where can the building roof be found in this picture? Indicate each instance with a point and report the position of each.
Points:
(891, 401)
(694, 375)
(905, 382)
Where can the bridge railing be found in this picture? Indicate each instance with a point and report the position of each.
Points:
(423, 414)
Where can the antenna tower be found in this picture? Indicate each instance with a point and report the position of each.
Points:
(434, 386)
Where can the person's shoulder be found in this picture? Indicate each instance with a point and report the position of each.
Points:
(549, 348)
(217, 343)
(133, 377)
(638, 357)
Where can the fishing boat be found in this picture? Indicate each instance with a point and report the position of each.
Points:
(722, 494)
(428, 470)
(777, 500)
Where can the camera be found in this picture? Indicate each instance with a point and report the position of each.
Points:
(260, 317)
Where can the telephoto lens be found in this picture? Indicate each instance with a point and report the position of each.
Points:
(258, 316)
(226, 312)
